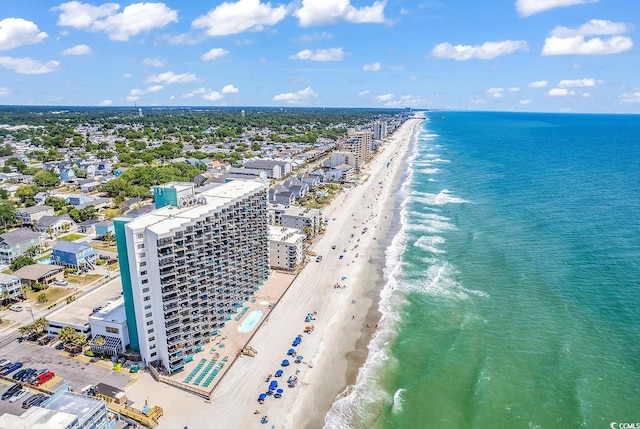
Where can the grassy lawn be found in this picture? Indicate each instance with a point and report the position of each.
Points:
(72, 237)
(82, 280)
(53, 293)
(104, 247)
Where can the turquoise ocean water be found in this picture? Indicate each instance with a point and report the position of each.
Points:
(512, 280)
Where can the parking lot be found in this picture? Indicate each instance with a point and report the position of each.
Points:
(74, 372)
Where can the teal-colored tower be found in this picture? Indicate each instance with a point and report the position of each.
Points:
(170, 194)
(127, 292)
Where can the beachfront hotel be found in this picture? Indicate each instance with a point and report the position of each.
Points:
(190, 264)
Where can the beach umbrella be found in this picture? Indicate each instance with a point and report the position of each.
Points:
(274, 383)
(291, 352)
(262, 397)
(285, 362)
(279, 373)
(299, 359)
(272, 387)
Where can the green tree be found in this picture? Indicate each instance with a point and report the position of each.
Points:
(7, 213)
(46, 179)
(109, 237)
(25, 192)
(56, 202)
(42, 298)
(21, 261)
(66, 334)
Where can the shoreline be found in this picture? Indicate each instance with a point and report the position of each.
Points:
(360, 222)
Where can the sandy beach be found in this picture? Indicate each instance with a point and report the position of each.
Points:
(343, 292)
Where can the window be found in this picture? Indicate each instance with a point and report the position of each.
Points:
(152, 338)
(148, 314)
(153, 346)
(145, 290)
(150, 322)
(112, 330)
(140, 246)
(143, 263)
(147, 298)
(144, 282)
(153, 354)
(139, 235)
(150, 331)
(143, 273)
(147, 307)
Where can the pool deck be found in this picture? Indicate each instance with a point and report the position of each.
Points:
(209, 366)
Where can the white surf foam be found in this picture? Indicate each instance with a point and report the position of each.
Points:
(429, 243)
(397, 400)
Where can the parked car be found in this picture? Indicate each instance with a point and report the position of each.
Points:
(40, 400)
(15, 308)
(319, 258)
(4, 362)
(10, 391)
(28, 374)
(18, 375)
(10, 368)
(61, 282)
(33, 377)
(18, 395)
(43, 378)
(27, 403)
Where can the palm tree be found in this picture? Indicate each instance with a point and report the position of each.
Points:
(66, 334)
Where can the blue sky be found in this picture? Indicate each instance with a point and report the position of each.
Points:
(523, 55)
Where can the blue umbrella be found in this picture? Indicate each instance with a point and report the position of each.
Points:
(272, 387)
(285, 362)
(299, 359)
(274, 383)
(291, 352)
(280, 391)
(279, 373)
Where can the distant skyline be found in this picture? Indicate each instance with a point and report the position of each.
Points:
(522, 55)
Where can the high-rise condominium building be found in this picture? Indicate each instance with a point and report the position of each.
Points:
(187, 266)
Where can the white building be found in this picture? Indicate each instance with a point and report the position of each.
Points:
(286, 248)
(307, 220)
(186, 269)
(109, 323)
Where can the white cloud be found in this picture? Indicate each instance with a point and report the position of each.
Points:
(229, 89)
(315, 37)
(77, 50)
(385, 97)
(297, 97)
(634, 97)
(134, 19)
(326, 12)
(365, 92)
(4, 91)
(135, 94)
(332, 54)
(244, 42)
(525, 102)
(538, 84)
(585, 95)
(170, 77)
(214, 54)
(567, 41)
(372, 67)
(154, 62)
(234, 18)
(478, 101)
(486, 51)
(105, 103)
(530, 7)
(213, 96)
(559, 92)
(16, 32)
(578, 83)
(28, 66)
(495, 92)
(514, 89)
(127, 76)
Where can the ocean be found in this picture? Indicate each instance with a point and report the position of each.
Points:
(512, 279)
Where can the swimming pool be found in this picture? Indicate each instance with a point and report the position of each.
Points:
(250, 321)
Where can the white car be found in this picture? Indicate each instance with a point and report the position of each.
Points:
(15, 308)
(18, 395)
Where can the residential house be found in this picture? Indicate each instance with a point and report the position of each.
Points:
(53, 225)
(39, 273)
(341, 173)
(31, 215)
(281, 195)
(67, 175)
(40, 197)
(89, 185)
(87, 226)
(74, 255)
(17, 243)
(102, 228)
(10, 287)
(298, 187)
